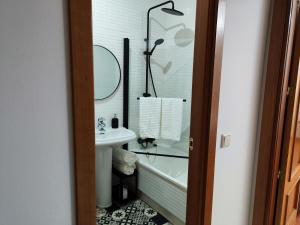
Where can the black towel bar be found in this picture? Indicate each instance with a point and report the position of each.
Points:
(184, 100)
(163, 155)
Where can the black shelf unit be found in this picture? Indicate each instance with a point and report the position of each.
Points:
(123, 180)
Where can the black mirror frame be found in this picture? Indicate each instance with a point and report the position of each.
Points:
(115, 90)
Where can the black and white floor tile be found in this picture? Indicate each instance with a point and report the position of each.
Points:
(135, 213)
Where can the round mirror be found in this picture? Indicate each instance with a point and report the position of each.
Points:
(107, 73)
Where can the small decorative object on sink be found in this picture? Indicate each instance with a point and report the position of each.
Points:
(115, 122)
(105, 141)
(101, 125)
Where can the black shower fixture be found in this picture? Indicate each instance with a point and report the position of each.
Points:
(156, 43)
(148, 53)
(159, 41)
(172, 11)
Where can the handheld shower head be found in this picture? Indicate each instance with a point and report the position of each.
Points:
(156, 43)
(172, 11)
(159, 41)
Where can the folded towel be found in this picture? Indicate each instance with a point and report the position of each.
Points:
(124, 156)
(171, 118)
(124, 168)
(150, 115)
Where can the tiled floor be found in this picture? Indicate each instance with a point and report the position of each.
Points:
(135, 213)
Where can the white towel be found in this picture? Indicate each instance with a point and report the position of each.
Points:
(124, 168)
(171, 118)
(124, 156)
(150, 115)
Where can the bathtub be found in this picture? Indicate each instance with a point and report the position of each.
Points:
(164, 179)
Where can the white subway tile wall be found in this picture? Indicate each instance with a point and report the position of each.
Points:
(172, 64)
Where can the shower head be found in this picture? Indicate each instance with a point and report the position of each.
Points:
(172, 11)
(156, 43)
(159, 41)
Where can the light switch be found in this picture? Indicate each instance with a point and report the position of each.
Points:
(225, 141)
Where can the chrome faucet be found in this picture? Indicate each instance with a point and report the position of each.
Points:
(101, 125)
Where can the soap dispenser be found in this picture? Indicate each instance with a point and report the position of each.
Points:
(115, 122)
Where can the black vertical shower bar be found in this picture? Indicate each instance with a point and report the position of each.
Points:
(147, 52)
(126, 86)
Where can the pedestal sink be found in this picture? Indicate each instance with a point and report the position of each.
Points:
(112, 138)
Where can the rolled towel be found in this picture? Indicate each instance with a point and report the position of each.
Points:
(125, 156)
(124, 168)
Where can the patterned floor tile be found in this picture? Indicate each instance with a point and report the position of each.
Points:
(135, 213)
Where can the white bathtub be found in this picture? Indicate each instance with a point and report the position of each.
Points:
(164, 179)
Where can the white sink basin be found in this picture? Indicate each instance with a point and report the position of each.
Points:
(114, 137)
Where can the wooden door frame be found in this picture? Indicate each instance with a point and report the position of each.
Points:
(289, 134)
(273, 112)
(206, 87)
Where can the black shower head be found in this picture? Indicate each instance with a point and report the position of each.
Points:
(156, 43)
(172, 11)
(159, 41)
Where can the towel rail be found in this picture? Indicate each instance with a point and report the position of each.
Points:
(184, 100)
(163, 155)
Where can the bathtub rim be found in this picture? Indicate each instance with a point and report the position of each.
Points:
(165, 176)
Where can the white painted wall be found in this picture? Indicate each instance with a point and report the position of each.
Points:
(36, 171)
(242, 75)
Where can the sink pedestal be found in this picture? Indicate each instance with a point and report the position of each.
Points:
(104, 144)
(103, 176)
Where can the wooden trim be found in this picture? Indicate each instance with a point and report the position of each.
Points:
(206, 89)
(286, 180)
(206, 85)
(80, 22)
(274, 105)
